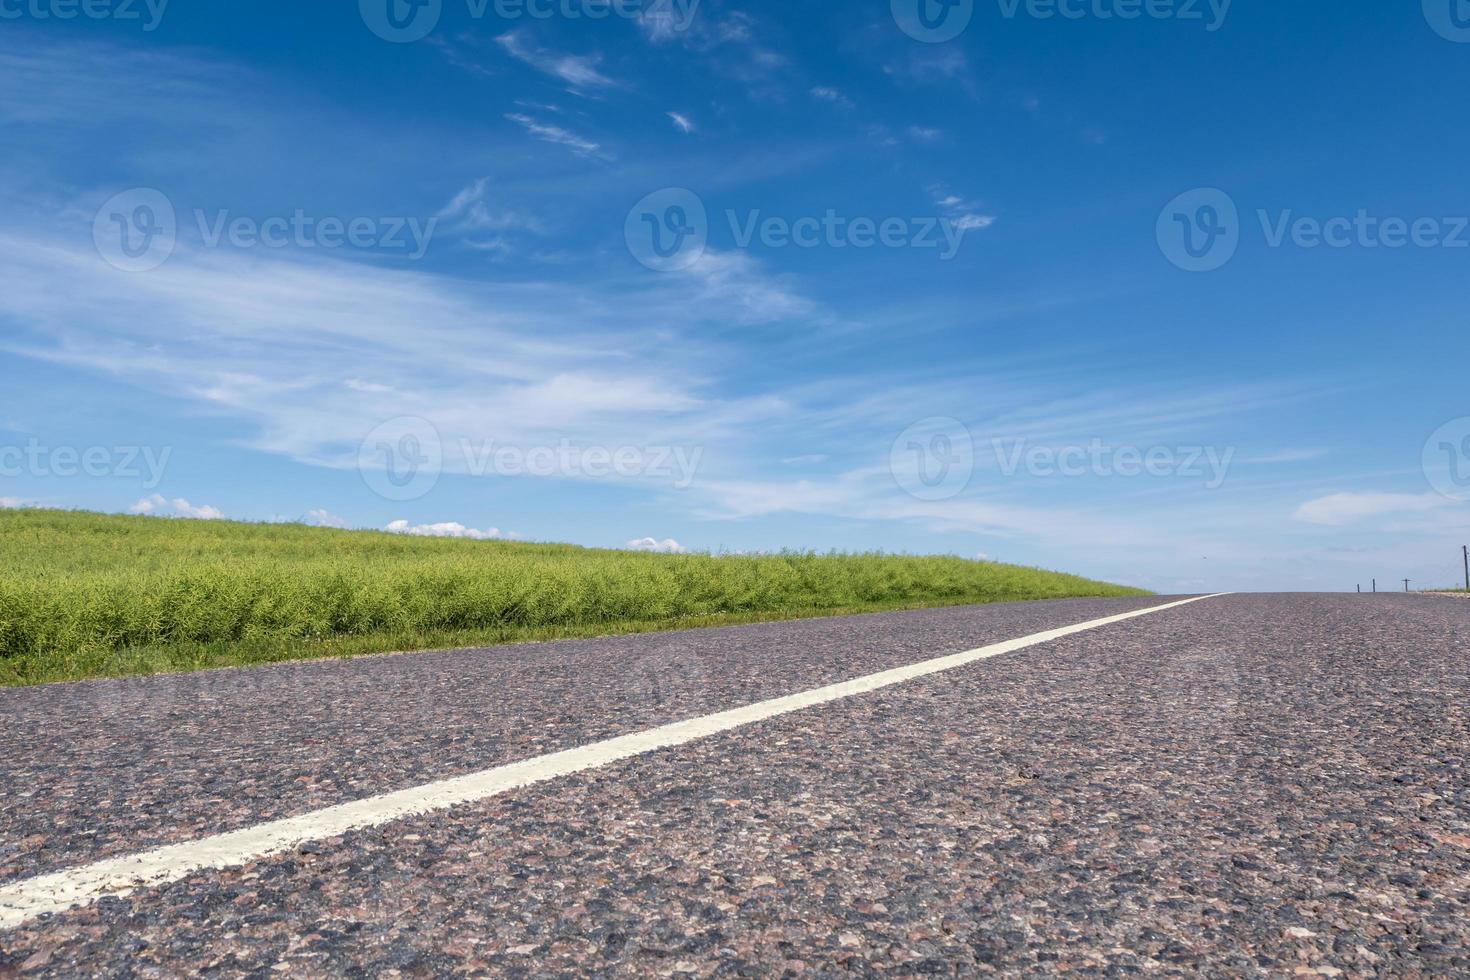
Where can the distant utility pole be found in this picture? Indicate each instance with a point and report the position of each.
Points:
(1465, 552)
(1406, 585)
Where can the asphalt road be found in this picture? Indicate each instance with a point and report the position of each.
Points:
(1243, 785)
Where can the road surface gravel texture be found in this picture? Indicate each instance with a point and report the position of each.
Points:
(1247, 785)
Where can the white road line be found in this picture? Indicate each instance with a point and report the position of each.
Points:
(24, 900)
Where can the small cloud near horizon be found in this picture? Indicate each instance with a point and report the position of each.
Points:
(156, 505)
(668, 546)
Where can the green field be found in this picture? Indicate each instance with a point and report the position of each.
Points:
(89, 595)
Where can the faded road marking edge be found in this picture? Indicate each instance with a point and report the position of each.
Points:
(60, 891)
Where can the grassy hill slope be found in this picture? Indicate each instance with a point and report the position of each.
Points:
(88, 595)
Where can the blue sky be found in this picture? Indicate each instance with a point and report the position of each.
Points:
(1175, 299)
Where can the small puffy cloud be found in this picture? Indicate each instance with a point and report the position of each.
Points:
(668, 546)
(1346, 508)
(449, 529)
(325, 518)
(156, 505)
(925, 134)
(682, 122)
(11, 503)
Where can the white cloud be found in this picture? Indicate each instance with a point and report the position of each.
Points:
(945, 63)
(973, 222)
(962, 213)
(449, 529)
(657, 23)
(11, 503)
(470, 209)
(668, 546)
(295, 348)
(1346, 508)
(461, 54)
(726, 45)
(577, 71)
(325, 518)
(682, 122)
(555, 134)
(825, 93)
(738, 282)
(543, 106)
(662, 22)
(1283, 456)
(481, 226)
(925, 134)
(308, 352)
(156, 505)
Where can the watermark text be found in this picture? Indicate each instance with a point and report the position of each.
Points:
(36, 459)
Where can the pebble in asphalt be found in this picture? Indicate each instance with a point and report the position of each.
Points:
(1250, 785)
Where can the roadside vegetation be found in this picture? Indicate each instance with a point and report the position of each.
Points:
(90, 595)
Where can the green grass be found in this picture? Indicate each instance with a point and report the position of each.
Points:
(90, 595)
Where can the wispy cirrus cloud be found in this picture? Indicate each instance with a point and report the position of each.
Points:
(480, 224)
(728, 43)
(743, 288)
(1338, 509)
(579, 72)
(313, 353)
(555, 134)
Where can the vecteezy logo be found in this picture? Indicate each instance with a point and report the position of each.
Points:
(1447, 459)
(402, 458)
(401, 21)
(1199, 231)
(668, 230)
(1449, 18)
(933, 459)
(136, 230)
(933, 21)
